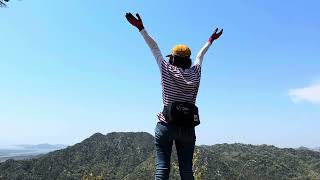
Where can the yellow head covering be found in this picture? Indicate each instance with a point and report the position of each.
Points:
(181, 50)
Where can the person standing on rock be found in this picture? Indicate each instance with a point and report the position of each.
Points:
(180, 82)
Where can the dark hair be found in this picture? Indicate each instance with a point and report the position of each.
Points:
(182, 62)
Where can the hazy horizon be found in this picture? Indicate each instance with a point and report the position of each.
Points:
(69, 69)
(16, 146)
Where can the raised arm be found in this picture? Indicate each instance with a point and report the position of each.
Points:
(137, 22)
(205, 48)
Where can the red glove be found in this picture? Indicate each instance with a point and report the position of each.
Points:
(134, 21)
(215, 35)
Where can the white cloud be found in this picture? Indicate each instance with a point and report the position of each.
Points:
(309, 94)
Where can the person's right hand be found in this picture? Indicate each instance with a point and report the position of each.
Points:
(215, 35)
(137, 22)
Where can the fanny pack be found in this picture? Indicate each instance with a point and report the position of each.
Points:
(181, 114)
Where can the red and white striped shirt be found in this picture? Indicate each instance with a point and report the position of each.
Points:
(177, 84)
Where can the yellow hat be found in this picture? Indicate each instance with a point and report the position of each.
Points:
(180, 50)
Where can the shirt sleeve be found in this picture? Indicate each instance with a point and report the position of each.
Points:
(201, 54)
(153, 46)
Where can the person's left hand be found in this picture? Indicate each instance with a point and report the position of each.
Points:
(137, 22)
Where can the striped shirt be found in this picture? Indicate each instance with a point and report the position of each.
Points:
(177, 84)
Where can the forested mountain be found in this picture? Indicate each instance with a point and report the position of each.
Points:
(131, 155)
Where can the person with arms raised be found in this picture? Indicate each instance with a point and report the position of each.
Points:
(180, 82)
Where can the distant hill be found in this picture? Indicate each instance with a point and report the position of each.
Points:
(42, 146)
(27, 151)
(19, 157)
(131, 156)
(316, 149)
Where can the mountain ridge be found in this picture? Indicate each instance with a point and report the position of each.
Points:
(131, 155)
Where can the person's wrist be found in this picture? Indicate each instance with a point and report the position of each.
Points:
(211, 40)
(140, 27)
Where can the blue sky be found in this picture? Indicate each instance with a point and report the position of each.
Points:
(71, 68)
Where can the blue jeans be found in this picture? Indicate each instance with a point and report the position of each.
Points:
(184, 139)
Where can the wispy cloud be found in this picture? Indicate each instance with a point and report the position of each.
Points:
(310, 94)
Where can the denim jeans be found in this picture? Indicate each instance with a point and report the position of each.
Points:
(184, 139)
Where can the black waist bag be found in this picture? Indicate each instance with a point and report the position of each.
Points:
(182, 114)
